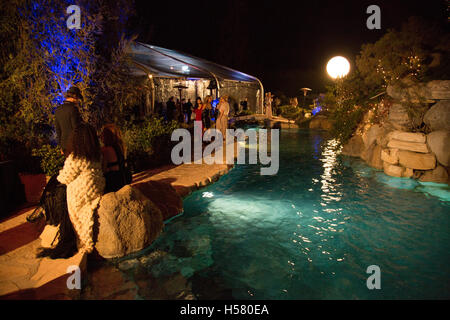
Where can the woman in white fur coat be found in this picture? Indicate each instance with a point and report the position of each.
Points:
(82, 173)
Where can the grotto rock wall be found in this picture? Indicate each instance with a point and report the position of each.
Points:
(413, 140)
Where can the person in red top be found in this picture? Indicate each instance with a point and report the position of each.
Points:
(198, 110)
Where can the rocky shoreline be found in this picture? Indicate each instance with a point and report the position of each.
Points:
(408, 145)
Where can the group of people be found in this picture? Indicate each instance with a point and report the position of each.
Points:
(71, 197)
(202, 111)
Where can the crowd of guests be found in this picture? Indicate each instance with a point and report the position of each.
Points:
(93, 165)
(203, 110)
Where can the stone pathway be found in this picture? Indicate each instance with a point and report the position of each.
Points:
(23, 276)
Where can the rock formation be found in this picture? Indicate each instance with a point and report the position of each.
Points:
(127, 222)
(409, 146)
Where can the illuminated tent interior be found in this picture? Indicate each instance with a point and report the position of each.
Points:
(168, 69)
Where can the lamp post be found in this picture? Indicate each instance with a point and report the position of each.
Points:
(305, 92)
(338, 67)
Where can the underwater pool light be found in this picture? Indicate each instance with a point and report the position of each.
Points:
(207, 195)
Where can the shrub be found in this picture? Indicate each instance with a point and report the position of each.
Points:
(51, 159)
(148, 143)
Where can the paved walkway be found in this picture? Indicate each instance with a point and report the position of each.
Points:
(23, 276)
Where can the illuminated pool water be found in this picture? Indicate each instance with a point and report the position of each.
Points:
(310, 232)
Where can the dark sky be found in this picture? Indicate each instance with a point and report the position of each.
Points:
(286, 44)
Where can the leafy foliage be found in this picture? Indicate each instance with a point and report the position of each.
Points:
(40, 58)
(148, 143)
(347, 102)
(51, 159)
(415, 52)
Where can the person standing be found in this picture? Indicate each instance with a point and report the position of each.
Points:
(179, 112)
(171, 109)
(198, 110)
(188, 108)
(268, 105)
(207, 112)
(244, 104)
(223, 109)
(67, 117)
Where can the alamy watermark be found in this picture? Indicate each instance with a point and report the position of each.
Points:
(374, 20)
(374, 280)
(214, 151)
(74, 280)
(74, 20)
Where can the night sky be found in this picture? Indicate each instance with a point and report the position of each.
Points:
(286, 44)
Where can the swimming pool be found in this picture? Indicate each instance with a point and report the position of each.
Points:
(309, 232)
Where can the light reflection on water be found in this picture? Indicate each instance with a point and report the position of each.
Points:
(310, 231)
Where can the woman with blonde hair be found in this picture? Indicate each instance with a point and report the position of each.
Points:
(207, 113)
(223, 109)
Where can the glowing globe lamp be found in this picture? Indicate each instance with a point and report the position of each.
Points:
(338, 67)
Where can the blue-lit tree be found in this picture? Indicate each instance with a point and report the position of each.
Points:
(45, 57)
(69, 55)
(40, 58)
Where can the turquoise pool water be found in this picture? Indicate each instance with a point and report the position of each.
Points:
(310, 232)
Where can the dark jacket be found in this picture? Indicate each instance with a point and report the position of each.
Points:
(67, 118)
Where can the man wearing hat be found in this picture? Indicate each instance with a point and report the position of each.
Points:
(67, 117)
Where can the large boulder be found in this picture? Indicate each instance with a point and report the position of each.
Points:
(408, 136)
(127, 222)
(393, 170)
(438, 89)
(383, 137)
(438, 141)
(408, 173)
(409, 146)
(354, 147)
(438, 175)
(390, 156)
(408, 91)
(373, 157)
(372, 134)
(163, 195)
(399, 118)
(438, 116)
(414, 160)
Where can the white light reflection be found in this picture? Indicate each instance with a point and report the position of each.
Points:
(207, 195)
(328, 182)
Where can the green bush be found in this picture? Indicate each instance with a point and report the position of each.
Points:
(16, 146)
(51, 159)
(346, 121)
(290, 112)
(148, 143)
